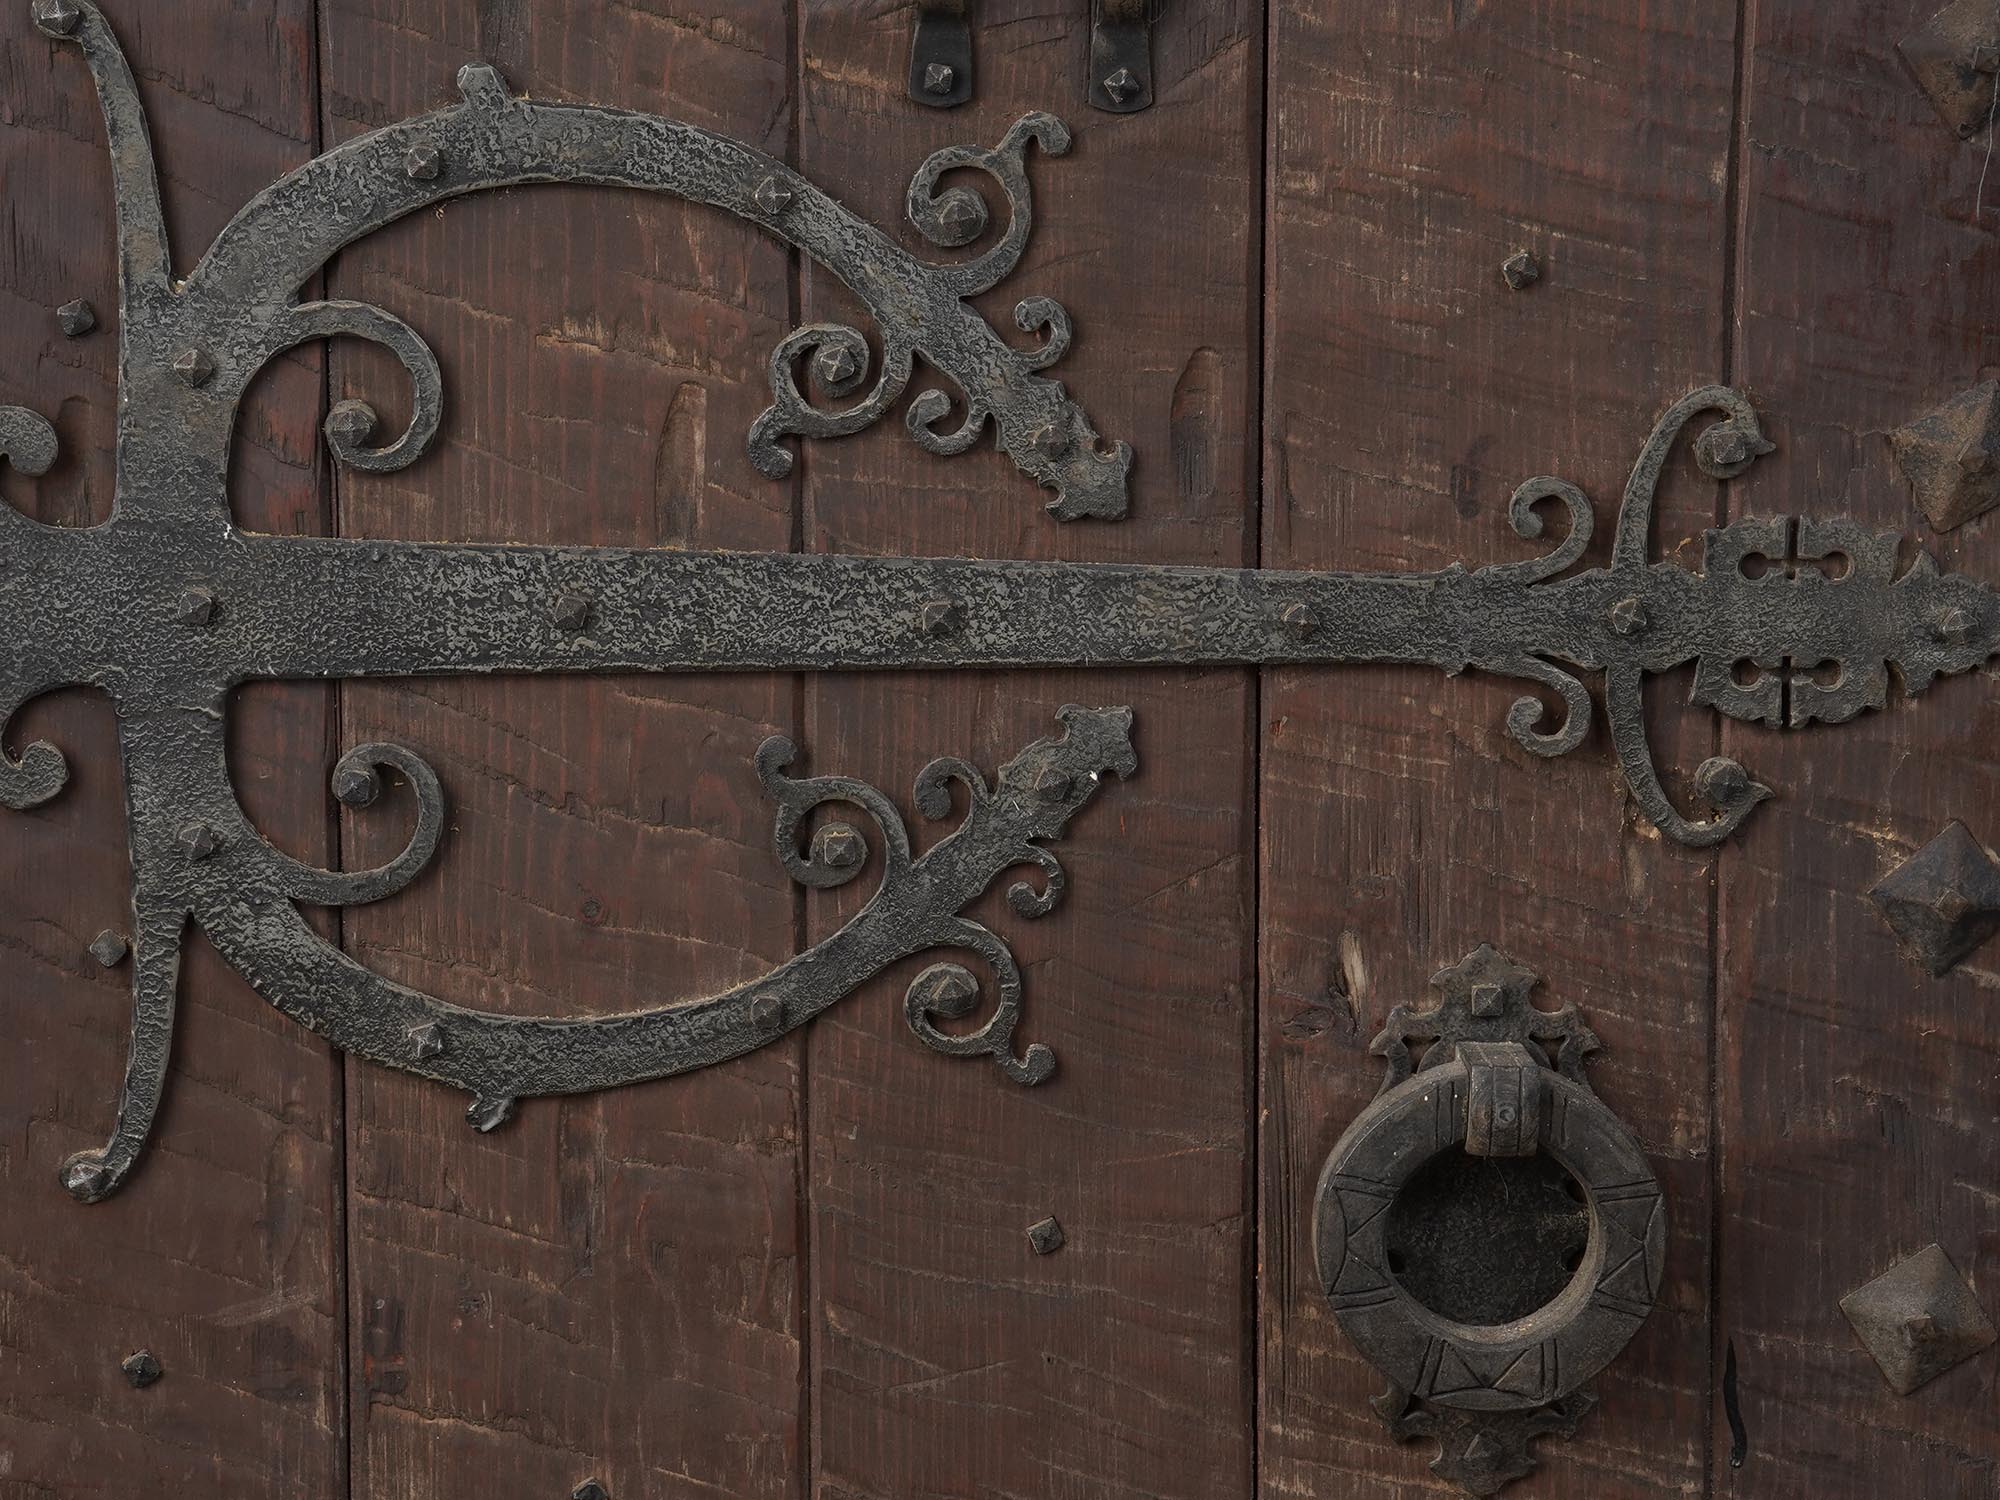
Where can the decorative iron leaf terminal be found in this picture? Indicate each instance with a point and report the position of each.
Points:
(167, 607)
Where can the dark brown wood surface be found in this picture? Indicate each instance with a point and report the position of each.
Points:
(224, 1257)
(806, 1273)
(948, 1359)
(1408, 391)
(609, 1286)
(1858, 1103)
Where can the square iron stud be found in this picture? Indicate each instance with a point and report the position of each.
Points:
(1520, 270)
(1951, 457)
(1046, 1237)
(56, 17)
(195, 367)
(196, 606)
(1943, 901)
(570, 612)
(590, 1489)
(427, 1040)
(198, 842)
(109, 948)
(141, 1369)
(1918, 1319)
(76, 318)
(1953, 58)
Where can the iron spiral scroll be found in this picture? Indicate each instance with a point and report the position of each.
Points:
(167, 607)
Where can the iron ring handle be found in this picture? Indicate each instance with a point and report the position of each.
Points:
(1493, 1099)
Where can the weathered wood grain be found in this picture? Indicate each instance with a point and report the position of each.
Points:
(1408, 390)
(949, 1360)
(1858, 1112)
(223, 1253)
(609, 1285)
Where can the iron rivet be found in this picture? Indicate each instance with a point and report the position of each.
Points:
(1952, 626)
(590, 1489)
(836, 366)
(1122, 86)
(1726, 449)
(937, 617)
(427, 1040)
(1520, 270)
(481, 83)
(945, 989)
(196, 606)
(839, 846)
(1723, 781)
(56, 17)
(767, 1013)
(1628, 617)
(772, 196)
(349, 425)
(1489, 1001)
(198, 842)
(939, 78)
(109, 948)
(421, 163)
(1052, 784)
(142, 1369)
(961, 216)
(356, 786)
(486, 1115)
(76, 318)
(570, 612)
(1298, 621)
(1050, 442)
(86, 1181)
(1727, 446)
(194, 367)
(1046, 1237)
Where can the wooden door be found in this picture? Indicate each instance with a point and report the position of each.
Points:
(808, 1271)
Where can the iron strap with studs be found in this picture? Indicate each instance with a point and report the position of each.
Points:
(167, 607)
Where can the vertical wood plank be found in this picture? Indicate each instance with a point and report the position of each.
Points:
(1408, 390)
(949, 1360)
(609, 1285)
(222, 1255)
(1858, 1109)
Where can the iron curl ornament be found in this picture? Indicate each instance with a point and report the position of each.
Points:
(166, 607)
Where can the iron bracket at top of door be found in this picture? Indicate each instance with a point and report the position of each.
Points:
(941, 53)
(1121, 56)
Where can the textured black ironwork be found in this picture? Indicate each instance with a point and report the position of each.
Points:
(1499, 1079)
(166, 607)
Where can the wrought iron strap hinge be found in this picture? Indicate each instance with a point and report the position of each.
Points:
(166, 607)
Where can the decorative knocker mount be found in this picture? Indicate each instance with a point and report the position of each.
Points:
(167, 607)
(1501, 1081)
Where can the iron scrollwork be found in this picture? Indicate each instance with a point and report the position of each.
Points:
(167, 607)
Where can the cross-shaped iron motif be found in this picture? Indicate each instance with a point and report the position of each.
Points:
(167, 607)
